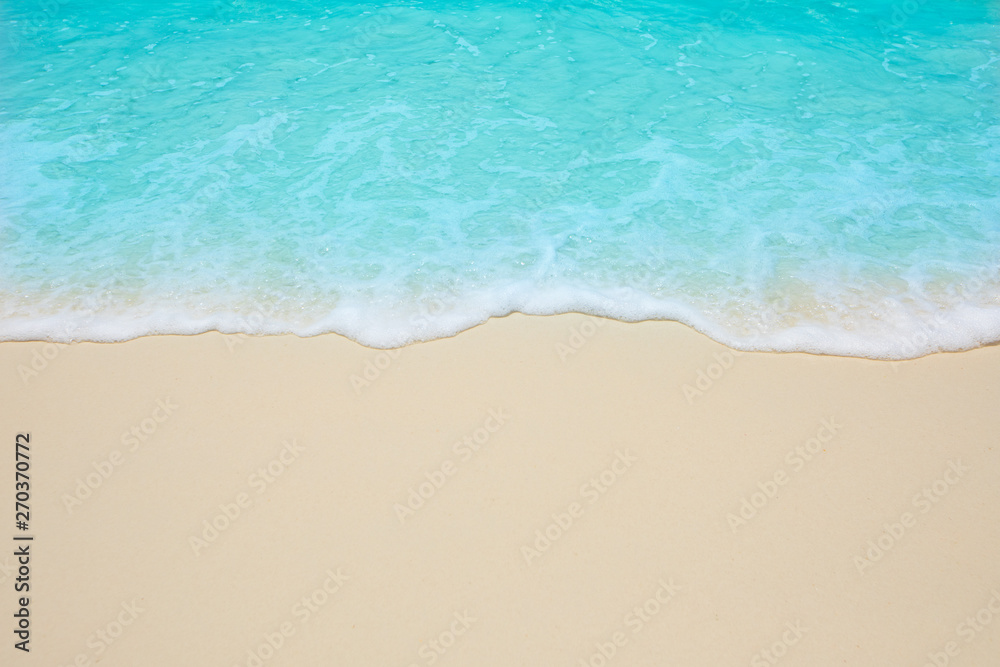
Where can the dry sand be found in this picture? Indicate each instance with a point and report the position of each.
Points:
(700, 508)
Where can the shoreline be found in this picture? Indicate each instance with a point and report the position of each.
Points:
(534, 490)
(904, 343)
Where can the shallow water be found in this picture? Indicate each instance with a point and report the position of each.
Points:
(812, 176)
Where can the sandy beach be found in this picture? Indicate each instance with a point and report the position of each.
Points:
(535, 491)
(597, 480)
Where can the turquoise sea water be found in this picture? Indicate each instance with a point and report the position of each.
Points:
(812, 175)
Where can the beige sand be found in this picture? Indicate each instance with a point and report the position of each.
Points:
(701, 508)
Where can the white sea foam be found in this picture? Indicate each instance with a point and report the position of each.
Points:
(889, 329)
